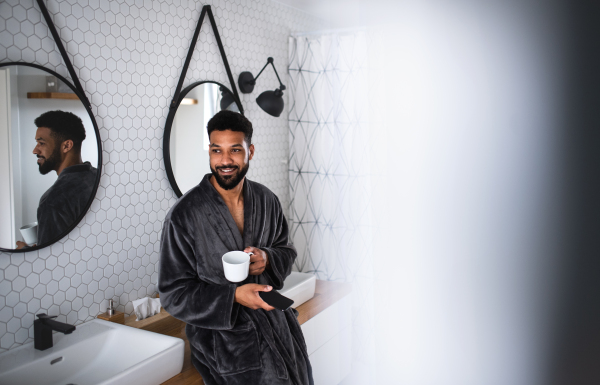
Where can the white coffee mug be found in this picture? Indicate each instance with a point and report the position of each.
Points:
(29, 233)
(236, 265)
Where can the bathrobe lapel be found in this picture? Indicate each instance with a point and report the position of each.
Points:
(222, 220)
(230, 234)
(249, 213)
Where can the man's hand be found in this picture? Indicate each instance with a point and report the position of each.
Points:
(20, 245)
(247, 295)
(259, 261)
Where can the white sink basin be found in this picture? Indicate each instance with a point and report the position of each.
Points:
(97, 352)
(300, 287)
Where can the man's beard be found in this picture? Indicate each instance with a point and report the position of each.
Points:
(230, 181)
(50, 163)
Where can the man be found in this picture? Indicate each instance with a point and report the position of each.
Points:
(235, 337)
(59, 137)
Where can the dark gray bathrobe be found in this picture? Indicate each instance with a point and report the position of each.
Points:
(64, 201)
(230, 343)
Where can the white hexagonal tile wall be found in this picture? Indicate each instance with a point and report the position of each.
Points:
(128, 56)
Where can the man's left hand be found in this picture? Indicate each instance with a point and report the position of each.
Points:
(258, 261)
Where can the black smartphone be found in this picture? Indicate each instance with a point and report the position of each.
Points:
(276, 300)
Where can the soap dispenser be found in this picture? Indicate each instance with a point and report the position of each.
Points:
(112, 315)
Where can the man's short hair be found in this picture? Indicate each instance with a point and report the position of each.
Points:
(229, 120)
(63, 125)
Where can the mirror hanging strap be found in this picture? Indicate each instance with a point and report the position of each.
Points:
(176, 98)
(224, 57)
(175, 101)
(63, 53)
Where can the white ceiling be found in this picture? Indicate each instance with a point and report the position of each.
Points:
(337, 13)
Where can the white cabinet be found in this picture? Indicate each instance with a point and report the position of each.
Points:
(329, 342)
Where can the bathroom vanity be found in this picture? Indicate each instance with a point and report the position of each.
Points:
(325, 321)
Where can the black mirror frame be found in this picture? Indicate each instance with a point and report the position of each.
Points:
(78, 90)
(99, 165)
(180, 94)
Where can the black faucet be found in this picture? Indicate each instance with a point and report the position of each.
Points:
(42, 330)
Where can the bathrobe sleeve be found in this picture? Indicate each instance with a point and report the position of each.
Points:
(52, 222)
(182, 293)
(281, 254)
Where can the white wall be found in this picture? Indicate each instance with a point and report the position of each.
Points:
(188, 154)
(7, 217)
(16, 145)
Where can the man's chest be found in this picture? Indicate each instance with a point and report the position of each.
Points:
(237, 213)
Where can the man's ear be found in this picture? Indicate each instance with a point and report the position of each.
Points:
(66, 146)
(251, 152)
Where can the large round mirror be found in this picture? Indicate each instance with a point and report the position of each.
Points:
(186, 139)
(50, 157)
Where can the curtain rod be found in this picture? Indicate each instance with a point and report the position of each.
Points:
(328, 31)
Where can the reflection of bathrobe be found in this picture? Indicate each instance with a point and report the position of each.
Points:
(64, 201)
(231, 344)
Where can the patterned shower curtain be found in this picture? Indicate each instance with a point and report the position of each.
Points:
(329, 166)
(329, 173)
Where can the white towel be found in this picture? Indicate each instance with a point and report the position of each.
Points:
(146, 307)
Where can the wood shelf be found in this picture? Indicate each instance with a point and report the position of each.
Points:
(188, 101)
(326, 294)
(52, 95)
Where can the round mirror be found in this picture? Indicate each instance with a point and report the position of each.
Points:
(186, 139)
(50, 157)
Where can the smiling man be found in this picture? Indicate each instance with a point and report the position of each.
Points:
(59, 137)
(235, 337)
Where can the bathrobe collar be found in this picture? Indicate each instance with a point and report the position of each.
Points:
(213, 194)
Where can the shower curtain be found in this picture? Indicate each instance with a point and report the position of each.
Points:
(328, 161)
(329, 167)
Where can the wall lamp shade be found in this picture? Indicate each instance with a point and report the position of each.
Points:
(270, 101)
(227, 101)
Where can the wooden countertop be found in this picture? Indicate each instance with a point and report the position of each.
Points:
(326, 294)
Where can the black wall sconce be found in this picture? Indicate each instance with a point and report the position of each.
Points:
(228, 100)
(270, 101)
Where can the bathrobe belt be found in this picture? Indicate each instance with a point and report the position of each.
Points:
(283, 362)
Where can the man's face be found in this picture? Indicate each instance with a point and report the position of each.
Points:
(230, 157)
(47, 150)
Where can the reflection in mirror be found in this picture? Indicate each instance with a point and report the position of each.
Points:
(48, 174)
(188, 148)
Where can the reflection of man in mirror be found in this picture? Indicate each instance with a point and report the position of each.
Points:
(235, 337)
(59, 137)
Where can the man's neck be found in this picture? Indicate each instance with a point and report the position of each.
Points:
(68, 162)
(231, 197)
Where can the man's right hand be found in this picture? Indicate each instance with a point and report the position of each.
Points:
(21, 245)
(247, 295)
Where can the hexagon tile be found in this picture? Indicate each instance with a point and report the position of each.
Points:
(128, 56)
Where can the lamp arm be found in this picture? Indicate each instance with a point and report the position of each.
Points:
(270, 61)
(281, 86)
(261, 71)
